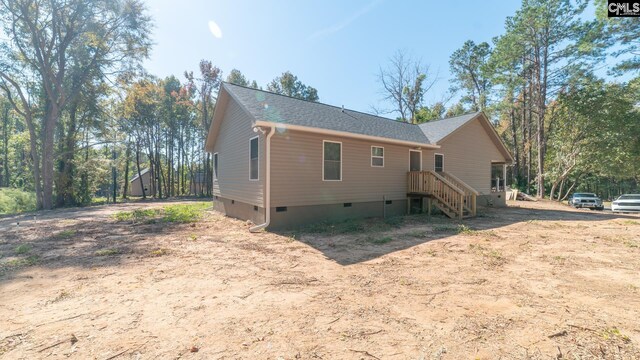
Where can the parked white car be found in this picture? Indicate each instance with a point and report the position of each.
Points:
(586, 200)
(626, 202)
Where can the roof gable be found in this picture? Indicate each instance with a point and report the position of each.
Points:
(439, 130)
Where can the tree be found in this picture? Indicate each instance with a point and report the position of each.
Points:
(289, 85)
(52, 48)
(456, 109)
(621, 32)
(596, 134)
(429, 113)
(236, 77)
(404, 84)
(203, 87)
(547, 38)
(471, 74)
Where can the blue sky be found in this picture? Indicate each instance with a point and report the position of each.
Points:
(335, 46)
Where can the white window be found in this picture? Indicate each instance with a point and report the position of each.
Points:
(215, 166)
(438, 163)
(377, 156)
(331, 161)
(254, 159)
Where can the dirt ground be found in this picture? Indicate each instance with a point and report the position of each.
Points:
(533, 281)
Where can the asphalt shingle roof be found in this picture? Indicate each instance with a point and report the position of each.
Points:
(438, 129)
(268, 106)
(282, 109)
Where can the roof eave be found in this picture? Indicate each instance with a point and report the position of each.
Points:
(346, 134)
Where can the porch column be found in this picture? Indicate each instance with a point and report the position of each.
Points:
(504, 177)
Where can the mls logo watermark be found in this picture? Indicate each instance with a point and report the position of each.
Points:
(623, 8)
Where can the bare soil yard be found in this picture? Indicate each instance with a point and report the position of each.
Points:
(534, 281)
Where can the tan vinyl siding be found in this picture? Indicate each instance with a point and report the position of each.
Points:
(296, 171)
(233, 148)
(468, 153)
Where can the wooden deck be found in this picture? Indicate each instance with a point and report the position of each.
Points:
(450, 194)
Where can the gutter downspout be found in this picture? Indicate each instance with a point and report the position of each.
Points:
(267, 185)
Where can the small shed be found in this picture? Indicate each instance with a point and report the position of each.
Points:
(134, 183)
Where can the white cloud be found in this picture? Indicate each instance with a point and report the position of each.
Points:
(346, 22)
(215, 29)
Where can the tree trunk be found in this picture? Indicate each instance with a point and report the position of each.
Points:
(51, 119)
(5, 146)
(514, 138)
(127, 155)
(144, 194)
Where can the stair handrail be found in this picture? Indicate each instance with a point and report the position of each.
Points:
(470, 194)
(447, 182)
(460, 183)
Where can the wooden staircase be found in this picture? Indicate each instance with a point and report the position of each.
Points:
(448, 193)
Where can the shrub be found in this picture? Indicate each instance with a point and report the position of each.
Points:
(13, 201)
(23, 249)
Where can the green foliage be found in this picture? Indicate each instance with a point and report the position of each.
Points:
(20, 262)
(14, 201)
(596, 131)
(107, 252)
(471, 73)
(429, 113)
(23, 249)
(289, 85)
(185, 213)
(65, 234)
(456, 229)
(379, 240)
(236, 77)
(179, 213)
(137, 215)
(623, 35)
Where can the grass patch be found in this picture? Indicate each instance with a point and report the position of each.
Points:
(65, 234)
(137, 215)
(379, 240)
(159, 252)
(614, 333)
(107, 252)
(631, 222)
(13, 201)
(184, 213)
(23, 262)
(99, 200)
(491, 257)
(456, 229)
(179, 213)
(23, 249)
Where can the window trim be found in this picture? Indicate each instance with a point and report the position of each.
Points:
(434, 161)
(418, 151)
(258, 158)
(216, 165)
(377, 157)
(334, 142)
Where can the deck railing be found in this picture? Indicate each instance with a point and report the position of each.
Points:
(430, 183)
(470, 194)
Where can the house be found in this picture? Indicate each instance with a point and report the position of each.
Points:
(134, 183)
(283, 162)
